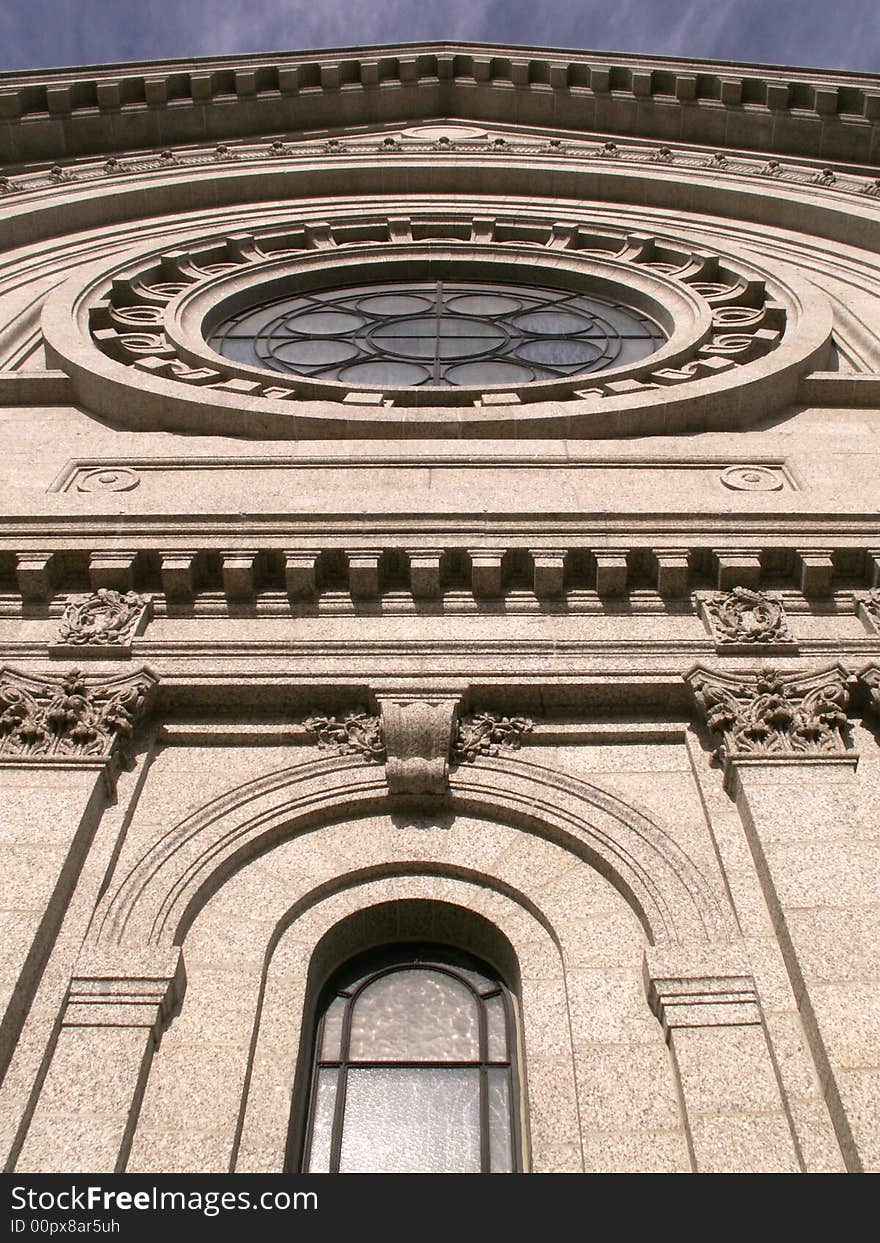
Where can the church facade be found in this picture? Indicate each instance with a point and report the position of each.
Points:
(440, 615)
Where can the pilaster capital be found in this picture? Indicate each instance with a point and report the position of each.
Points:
(69, 718)
(769, 717)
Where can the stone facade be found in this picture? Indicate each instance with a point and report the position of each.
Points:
(579, 674)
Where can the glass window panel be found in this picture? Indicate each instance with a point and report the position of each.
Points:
(483, 304)
(240, 351)
(467, 347)
(424, 347)
(458, 326)
(397, 304)
(315, 353)
(632, 351)
(322, 1124)
(548, 322)
(561, 352)
(497, 1029)
(426, 326)
(384, 372)
(323, 323)
(415, 1016)
(493, 372)
(428, 1120)
(500, 1139)
(331, 1037)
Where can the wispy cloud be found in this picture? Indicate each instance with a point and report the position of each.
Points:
(833, 33)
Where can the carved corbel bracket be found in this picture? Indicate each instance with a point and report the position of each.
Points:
(770, 717)
(418, 737)
(70, 719)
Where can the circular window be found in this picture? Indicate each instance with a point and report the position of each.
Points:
(447, 333)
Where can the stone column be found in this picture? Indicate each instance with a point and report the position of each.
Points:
(734, 1113)
(61, 740)
(117, 1005)
(813, 836)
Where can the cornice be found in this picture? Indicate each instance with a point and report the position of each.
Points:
(821, 114)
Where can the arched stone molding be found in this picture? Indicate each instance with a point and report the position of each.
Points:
(156, 899)
(384, 911)
(821, 211)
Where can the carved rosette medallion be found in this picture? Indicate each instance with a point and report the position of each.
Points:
(745, 618)
(487, 734)
(69, 718)
(773, 716)
(355, 733)
(107, 618)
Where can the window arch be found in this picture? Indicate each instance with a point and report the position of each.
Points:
(414, 1067)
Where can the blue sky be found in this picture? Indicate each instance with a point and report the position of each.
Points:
(842, 34)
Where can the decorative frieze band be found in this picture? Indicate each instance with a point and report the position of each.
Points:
(69, 718)
(557, 565)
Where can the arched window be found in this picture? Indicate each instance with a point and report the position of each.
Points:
(414, 1068)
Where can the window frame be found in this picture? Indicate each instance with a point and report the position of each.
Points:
(408, 956)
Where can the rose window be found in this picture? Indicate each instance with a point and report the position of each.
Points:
(438, 332)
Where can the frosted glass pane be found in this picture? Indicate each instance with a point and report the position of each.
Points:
(415, 1016)
(332, 1031)
(410, 1121)
(497, 1026)
(322, 1123)
(500, 1147)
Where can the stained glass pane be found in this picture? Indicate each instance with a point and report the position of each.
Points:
(415, 1016)
(405, 1121)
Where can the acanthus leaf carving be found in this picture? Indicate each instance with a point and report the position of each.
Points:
(744, 617)
(485, 733)
(869, 607)
(870, 679)
(68, 717)
(354, 733)
(772, 715)
(103, 619)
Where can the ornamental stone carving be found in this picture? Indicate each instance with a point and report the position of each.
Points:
(869, 608)
(107, 618)
(355, 733)
(746, 618)
(44, 719)
(418, 735)
(870, 679)
(487, 734)
(773, 715)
